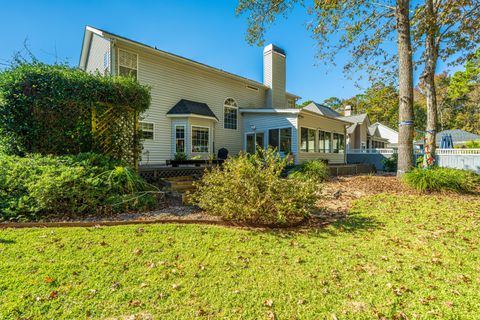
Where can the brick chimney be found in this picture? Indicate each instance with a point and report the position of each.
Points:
(347, 111)
(274, 76)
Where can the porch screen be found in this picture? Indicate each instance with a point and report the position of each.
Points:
(307, 140)
(338, 143)
(324, 141)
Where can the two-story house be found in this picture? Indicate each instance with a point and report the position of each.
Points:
(197, 109)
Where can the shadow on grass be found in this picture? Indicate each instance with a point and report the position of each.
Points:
(7, 241)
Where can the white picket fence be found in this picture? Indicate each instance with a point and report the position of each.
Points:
(440, 152)
(455, 152)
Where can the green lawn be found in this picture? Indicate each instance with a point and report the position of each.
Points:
(395, 256)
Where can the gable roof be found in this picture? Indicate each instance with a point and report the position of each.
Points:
(89, 31)
(322, 109)
(188, 107)
(457, 135)
(356, 118)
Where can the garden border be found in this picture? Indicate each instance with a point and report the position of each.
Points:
(89, 224)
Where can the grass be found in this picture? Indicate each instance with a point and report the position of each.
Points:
(396, 256)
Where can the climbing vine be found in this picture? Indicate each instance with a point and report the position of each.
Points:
(56, 109)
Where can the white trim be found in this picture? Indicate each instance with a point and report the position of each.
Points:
(153, 130)
(118, 61)
(184, 138)
(267, 131)
(457, 151)
(191, 139)
(231, 107)
(315, 142)
(190, 115)
(290, 111)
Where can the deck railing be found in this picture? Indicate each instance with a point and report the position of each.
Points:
(372, 151)
(456, 152)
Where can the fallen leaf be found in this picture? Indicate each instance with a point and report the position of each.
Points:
(53, 295)
(49, 280)
(268, 302)
(135, 303)
(270, 315)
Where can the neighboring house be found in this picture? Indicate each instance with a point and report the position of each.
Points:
(459, 138)
(388, 133)
(197, 109)
(361, 134)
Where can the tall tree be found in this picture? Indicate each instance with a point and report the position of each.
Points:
(366, 30)
(444, 28)
(334, 103)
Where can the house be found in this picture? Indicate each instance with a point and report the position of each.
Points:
(459, 138)
(388, 133)
(361, 134)
(197, 109)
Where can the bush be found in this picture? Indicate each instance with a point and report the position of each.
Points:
(59, 110)
(249, 188)
(390, 164)
(419, 162)
(317, 170)
(35, 186)
(442, 179)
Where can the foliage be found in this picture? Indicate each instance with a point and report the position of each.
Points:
(390, 164)
(180, 156)
(472, 144)
(316, 170)
(419, 162)
(415, 251)
(249, 188)
(35, 186)
(48, 109)
(334, 103)
(442, 179)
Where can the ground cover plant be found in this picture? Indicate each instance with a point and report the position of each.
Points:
(250, 188)
(392, 257)
(35, 186)
(442, 179)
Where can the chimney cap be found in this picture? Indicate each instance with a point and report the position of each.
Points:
(272, 47)
(348, 107)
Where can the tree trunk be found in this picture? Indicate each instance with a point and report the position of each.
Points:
(431, 55)
(405, 80)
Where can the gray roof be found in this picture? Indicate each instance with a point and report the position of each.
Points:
(372, 129)
(457, 135)
(191, 107)
(352, 128)
(356, 118)
(323, 110)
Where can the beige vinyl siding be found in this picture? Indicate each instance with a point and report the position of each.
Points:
(308, 120)
(99, 47)
(171, 81)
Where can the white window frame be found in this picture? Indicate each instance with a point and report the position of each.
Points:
(315, 144)
(344, 142)
(118, 61)
(191, 139)
(231, 107)
(267, 137)
(265, 134)
(184, 138)
(291, 101)
(153, 129)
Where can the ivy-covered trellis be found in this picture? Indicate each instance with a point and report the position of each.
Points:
(61, 110)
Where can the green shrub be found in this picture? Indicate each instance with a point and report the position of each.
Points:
(249, 188)
(474, 144)
(317, 170)
(442, 179)
(390, 164)
(419, 162)
(34, 186)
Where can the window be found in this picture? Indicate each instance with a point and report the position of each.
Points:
(307, 140)
(230, 114)
(273, 139)
(286, 140)
(106, 63)
(127, 64)
(179, 139)
(338, 143)
(147, 130)
(324, 141)
(200, 138)
(281, 139)
(291, 103)
(254, 141)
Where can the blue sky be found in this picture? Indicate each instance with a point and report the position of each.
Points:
(206, 31)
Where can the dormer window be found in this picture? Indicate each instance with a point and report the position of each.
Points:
(127, 64)
(230, 110)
